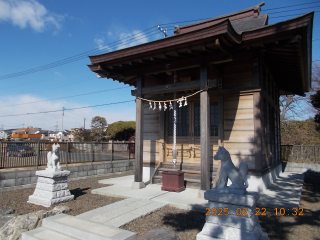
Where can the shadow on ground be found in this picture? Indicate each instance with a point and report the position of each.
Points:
(77, 192)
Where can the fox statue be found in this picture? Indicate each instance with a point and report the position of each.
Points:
(238, 177)
(54, 158)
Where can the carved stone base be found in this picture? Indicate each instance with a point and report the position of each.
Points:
(52, 188)
(232, 216)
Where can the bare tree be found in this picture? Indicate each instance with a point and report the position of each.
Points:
(294, 106)
(78, 134)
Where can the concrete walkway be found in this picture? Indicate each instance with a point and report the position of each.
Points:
(104, 222)
(285, 192)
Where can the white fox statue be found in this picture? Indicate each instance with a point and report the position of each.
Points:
(54, 158)
(238, 177)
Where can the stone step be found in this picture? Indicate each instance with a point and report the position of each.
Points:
(45, 234)
(84, 229)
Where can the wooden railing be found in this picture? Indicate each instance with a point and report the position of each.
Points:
(29, 154)
(300, 153)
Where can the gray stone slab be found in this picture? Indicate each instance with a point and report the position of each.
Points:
(223, 232)
(49, 202)
(84, 229)
(249, 199)
(232, 209)
(234, 221)
(105, 210)
(48, 174)
(44, 234)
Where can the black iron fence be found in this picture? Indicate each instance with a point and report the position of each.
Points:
(300, 153)
(28, 154)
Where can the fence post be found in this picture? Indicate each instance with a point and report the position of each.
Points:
(67, 157)
(1, 158)
(38, 153)
(92, 153)
(111, 151)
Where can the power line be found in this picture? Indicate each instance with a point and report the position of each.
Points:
(107, 90)
(291, 6)
(67, 109)
(81, 56)
(294, 10)
(129, 38)
(290, 15)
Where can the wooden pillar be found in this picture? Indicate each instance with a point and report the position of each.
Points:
(257, 130)
(205, 130)
(161, 135)
(138, 183)
(221, 121)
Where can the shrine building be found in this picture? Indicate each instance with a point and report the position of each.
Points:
(227, 74)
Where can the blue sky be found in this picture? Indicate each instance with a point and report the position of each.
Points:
(35, 33)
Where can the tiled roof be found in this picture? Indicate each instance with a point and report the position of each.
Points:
(249, 23)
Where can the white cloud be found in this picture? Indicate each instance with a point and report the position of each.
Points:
(126, 39)
(28, 13)
(47, 121)
(131, 39)
(100, 43)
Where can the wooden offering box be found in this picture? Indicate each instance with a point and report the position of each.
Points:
(173, 181)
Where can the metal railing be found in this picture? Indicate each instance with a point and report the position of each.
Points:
(300, 153)
(29, 154)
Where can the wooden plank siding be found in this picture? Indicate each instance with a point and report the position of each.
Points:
(151, 136)
(239, 129)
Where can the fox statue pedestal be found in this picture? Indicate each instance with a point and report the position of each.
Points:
(231, 215)
(231, 210)
(52, 186)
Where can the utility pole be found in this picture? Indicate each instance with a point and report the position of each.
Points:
(84, 123)
(62, 125)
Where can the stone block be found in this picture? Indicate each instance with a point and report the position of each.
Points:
(248, 199)
(8, 183)
(8, 175)
(101, 171)
(223, 232)
(73, 175)
(82, 173)
(232, 217)
(23, 181)
(33, 179)
(49, 174)
(24, 174)
(233, 209)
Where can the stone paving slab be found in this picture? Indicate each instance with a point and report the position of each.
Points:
(84, 228)
(284, 192)
(44, 234)
(122, 212)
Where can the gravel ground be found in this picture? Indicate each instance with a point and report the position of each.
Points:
(189, 223)
(81, 189)
(184, 222)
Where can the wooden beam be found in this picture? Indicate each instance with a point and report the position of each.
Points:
(179, 64)
(139, 134)
(221, 121)
(256, 75)
(257, 130)
(176, 87)
(205, 130)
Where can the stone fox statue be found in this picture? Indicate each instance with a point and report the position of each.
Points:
(238, 177)
(54, 158)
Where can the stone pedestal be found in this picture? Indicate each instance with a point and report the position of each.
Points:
(52, 188)
(232, 215)
(173, 181)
